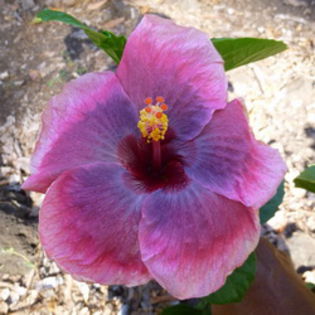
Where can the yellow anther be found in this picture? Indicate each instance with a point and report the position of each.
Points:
(153, 122)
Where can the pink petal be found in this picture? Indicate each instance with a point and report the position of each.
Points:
(89, 222)
(228, 160)
(178, 63)
(192, 239)
(81, 125)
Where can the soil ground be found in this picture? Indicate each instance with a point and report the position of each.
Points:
(37, 59)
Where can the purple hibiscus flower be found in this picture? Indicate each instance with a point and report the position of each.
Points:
(149, 173)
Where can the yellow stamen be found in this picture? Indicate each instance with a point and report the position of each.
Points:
(153, 122)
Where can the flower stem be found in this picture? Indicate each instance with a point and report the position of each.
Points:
(156, 154)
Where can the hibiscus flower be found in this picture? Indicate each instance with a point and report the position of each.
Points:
(148, 172)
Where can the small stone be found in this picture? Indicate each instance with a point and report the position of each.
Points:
(124, 310)
(4, 294)
(311, 223)
(69, 3)
(295, 3)
(309, 276)
(84, 311)
(3, 307)
(230, 11)
(49, 283)
(84, 289)
(278, 221)
(14, 178)
(5, 277)
(261, 29)
(31, 296)
(34, 74)
(53, 268)
(18, 83)
(299, 192)
(20, 290)
(108, 310)
(46, 69)
(53, 3)
(78, 34)
(15, 297)
(97, 5)
(4, 75)
(302, 249)
(28, 4)
(113, 23)
(23, 163)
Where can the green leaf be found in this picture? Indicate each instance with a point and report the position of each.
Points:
(236, 284)
(310, 285)
(267, 211)
(185, 309)
(112, 44)
(237, 52)
(306, 179)
(54, 15)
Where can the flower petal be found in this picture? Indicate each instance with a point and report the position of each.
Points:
(178, 63)
(228, 160)
(81, 125)
(191, 240)
(89, 222)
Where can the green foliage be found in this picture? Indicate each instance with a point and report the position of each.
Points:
(237, 52)
(306, 179)
(54, 15)
(236, 284)
(112, 44)
(310, 285)
(267, 211)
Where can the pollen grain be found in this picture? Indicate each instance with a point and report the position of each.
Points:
(153, 121)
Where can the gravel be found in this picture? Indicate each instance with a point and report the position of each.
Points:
(37, 59)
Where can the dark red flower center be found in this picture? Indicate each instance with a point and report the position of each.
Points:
(137, 157)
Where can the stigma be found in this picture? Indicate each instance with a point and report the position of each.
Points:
(153, 121)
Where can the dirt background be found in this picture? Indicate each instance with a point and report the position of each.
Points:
(37, 59)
